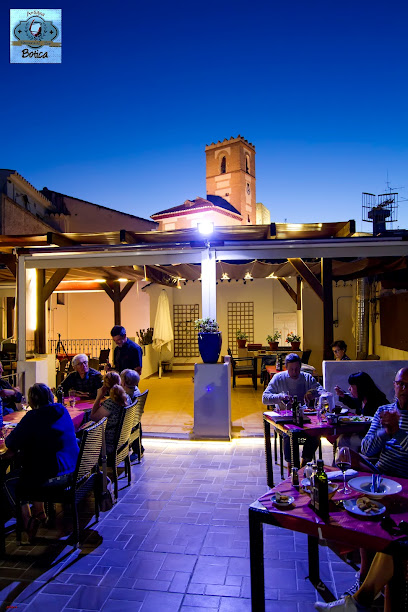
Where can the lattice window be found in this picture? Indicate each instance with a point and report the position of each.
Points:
(240, 316)
(185, 336)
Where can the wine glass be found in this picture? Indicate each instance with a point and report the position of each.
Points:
(286, 400)
(343, 461)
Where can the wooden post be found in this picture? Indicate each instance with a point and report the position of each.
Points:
(10, 305)
(327, 284)
(116, 303)
(299, 293)
(39, 334)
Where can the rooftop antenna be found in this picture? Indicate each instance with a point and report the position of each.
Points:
(380, 209)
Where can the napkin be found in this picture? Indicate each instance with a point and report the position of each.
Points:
(339, 475)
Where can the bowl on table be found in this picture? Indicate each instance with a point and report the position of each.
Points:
(282, 501)
(363, 485)
(307, 487)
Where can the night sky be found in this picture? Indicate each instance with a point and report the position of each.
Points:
(320, 88)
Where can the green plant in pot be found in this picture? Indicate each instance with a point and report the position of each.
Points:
(209, 339)
(294, 340)
(273, 340)
(242, 338)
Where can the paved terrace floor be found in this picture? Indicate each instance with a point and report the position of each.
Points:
(170, 406)
(176, 541)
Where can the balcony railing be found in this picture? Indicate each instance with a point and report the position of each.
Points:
(89, 346)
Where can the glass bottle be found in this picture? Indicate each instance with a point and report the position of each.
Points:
(295, 408)
(321, 491)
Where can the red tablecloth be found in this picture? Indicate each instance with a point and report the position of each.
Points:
(342, 526)
(315, 429)
(77, 415)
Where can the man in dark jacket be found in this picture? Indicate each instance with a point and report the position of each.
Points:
(127, 354)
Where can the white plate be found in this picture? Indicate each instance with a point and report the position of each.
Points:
(387, 487)
(282, 504)
(351, 506)
(337, 475)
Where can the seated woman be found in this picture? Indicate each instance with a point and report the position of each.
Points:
(111, 378)
(130, 380)
(45, 437)
(339, 348)
(364, 397)
(110, 408)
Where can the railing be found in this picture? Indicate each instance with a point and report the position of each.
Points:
(89, 346)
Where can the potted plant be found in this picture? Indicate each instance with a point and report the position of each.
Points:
(273, 340)
(209, 339)
(294, 340)
(241, 337)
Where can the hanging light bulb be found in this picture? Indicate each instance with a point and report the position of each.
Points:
(248, 276)
(225, 276)
(145, 275)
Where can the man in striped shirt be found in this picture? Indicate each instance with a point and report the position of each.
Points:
(388, 434)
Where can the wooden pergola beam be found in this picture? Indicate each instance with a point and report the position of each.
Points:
(301, 268)
(347, 230)
(327, 284)
(60, 240)
(288, 288)
(299, 293)
(9, 261)
(53, 283)
(126, 289)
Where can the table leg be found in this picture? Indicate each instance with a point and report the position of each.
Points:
(275, 439)
(281, 439)
(268, 454)
(314, 569)
(294, 450)
(256, 552)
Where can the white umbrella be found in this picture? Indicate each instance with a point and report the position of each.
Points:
(163, 331)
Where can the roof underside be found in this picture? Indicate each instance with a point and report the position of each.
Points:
(238, 244)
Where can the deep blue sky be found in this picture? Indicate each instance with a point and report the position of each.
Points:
(320, 88)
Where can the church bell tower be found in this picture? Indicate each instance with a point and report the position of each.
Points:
(230, 174)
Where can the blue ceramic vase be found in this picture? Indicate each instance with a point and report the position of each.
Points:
(209, 346)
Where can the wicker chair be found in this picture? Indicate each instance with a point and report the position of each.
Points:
(85, 478)
(122, 444)
(136, 433)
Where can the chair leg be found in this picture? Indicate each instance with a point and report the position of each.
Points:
(281, 455)
(129, 471)
(76, 524)
(115, 481)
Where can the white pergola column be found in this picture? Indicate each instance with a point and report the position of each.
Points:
(21, 309)
(208, 284)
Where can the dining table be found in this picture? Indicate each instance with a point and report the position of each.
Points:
(78, 413)
(281, 424)
(342, 529)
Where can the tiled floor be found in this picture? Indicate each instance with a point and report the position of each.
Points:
(176, 541)
(170, 405)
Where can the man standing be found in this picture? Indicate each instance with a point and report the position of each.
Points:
(285, 385)
(127, 354)
(84, 380)
(11, 396)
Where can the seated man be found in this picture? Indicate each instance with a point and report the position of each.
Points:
(388, 439)
(84, 380)
(11, 396)
(127, 354)
(285, 385)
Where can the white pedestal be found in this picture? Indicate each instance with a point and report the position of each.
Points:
(40, 370)
(212, 401)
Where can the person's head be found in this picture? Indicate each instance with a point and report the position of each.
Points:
(40, 395)
(363, 387)
(118, 395)
(401, 387)
(293, 364)
(339, 348)
(118, 334)
(130, 379)
(111, 378)
(80, 364)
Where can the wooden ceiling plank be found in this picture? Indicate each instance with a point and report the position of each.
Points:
(301, 268)
(10, 262)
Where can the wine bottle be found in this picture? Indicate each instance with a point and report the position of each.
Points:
(295, 407)
(60, 395)
(300, 416)
(321, 491)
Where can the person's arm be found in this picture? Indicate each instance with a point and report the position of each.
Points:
(374, 441)
(272, 393)
(313, 388)
(17, 438)
(98, 411)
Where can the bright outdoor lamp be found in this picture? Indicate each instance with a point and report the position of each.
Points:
(205, 228)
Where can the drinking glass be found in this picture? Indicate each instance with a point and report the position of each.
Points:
(72, 398)
(343, 461)
(287, 400)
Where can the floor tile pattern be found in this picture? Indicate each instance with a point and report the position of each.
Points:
(176, 541)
